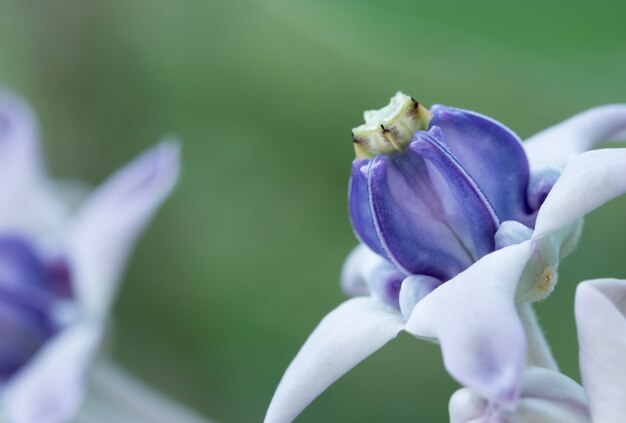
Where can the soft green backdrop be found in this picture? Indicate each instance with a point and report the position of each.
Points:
(243, 260)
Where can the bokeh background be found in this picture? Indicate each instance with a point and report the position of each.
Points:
(244, 259)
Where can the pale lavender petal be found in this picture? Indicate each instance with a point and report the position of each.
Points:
(547, 397)
(540, 275)
(111, 220)
(356, 268)
(26, 201)
(367, 273)
(587, 182)
(474, 318)
(493, 156)
(601, 322)
(556, 145)
(50, 388)
(430, 216)
(345, 337)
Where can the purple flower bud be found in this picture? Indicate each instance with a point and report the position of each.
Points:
(432, 203)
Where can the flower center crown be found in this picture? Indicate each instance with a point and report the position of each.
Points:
(390, 128)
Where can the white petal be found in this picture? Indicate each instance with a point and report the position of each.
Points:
(111, 220)
(547, 397)
(50, 388)
(556, 145)
(601, 322)
(346, 336)
(474, 318)
(356, 268)
(587, 182)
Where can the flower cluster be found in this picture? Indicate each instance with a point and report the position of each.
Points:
(461, 227)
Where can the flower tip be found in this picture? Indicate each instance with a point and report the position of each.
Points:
(15, 115)
(390, 128)
(171, 142)
(164, 158)
(169, 150)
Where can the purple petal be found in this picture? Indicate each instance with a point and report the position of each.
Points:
(20, 266)
(556, 145)
(493, 156)
(359, 207)
(601, 322)
(345, 337)
(430, 216)
(384, 282)
(474, 318)
(112, 219)
(50, 388)
(587, 182)
(27, 300)
(24, 331)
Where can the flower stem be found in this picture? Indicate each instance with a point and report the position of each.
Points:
(539, 353)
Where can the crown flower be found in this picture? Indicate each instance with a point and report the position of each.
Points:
(462, 225)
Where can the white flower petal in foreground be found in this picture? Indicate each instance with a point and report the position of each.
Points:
(587, 182)
(346, 336)
(601, 322)
(557, 144)
(473, 317)
(550, 397)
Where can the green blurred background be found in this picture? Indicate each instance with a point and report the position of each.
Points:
(243, 260)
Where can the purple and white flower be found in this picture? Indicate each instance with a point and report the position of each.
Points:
(550, 397)
(461, 226)
(59, 267)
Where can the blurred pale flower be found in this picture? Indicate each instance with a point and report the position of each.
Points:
(59, 268)
(455, 204)
(550, 397)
